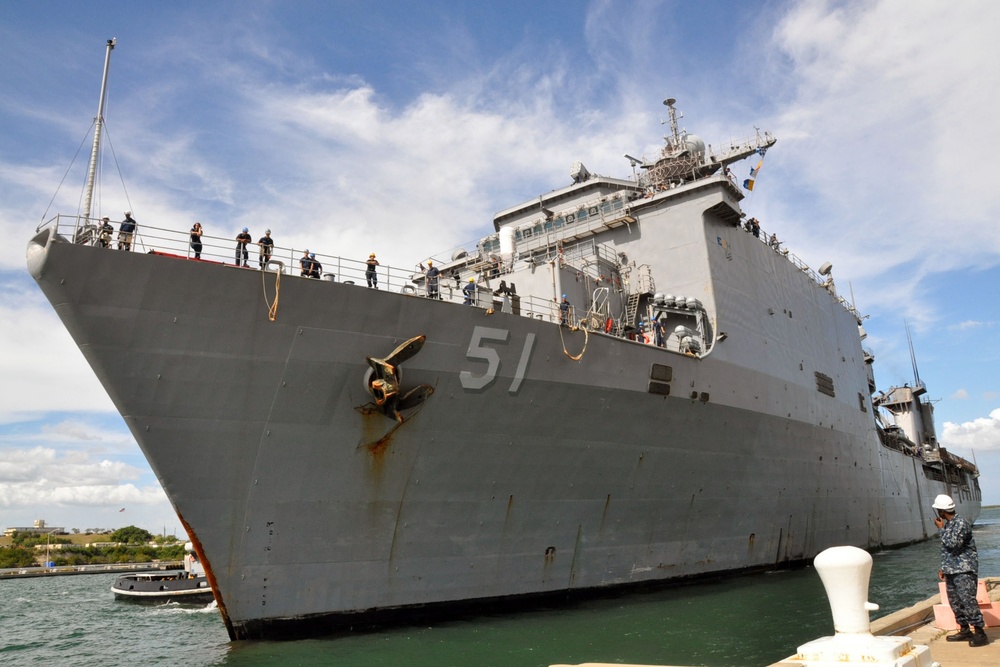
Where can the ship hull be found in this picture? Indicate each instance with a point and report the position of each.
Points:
(525, 473)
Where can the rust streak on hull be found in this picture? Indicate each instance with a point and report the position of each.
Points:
(209, 574)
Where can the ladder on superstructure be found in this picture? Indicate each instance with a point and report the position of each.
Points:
(644, 285)
(631, 308)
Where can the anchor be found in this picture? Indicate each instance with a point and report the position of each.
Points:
(383, 381)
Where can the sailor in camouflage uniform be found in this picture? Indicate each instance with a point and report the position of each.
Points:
(960, 572)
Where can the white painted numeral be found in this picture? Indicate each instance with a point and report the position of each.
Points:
(478, 351)
(522, 365)
(487, 354)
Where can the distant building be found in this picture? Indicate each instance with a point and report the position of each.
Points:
(38, 529)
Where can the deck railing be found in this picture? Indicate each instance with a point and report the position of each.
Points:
(220, 250)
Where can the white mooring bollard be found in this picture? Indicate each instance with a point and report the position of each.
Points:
(845, 572)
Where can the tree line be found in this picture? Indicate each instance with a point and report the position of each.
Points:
(132, 545)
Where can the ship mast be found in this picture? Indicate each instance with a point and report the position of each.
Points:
(98, 123)
(674, 131)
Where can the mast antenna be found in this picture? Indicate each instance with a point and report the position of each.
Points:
(98, 124)
(913, 356)
(675, 133)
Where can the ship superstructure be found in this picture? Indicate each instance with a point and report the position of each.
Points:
(341, 455)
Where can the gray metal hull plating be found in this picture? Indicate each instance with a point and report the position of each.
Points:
(523, 473)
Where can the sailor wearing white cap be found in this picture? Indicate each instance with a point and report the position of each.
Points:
(266, 244)
(242, 239)
(960, 571)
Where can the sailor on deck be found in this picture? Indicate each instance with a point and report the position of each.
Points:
(196, 245)
(266, 244)
(371, 276)
(242, 239)
(564, 311)
(315, 268)
(104, 232)
(432, 274)
(659, 337)
(126, 231)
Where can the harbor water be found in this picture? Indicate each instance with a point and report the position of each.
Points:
(748, 620)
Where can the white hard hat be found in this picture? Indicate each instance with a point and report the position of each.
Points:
(943, 502)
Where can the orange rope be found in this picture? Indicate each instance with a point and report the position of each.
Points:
(272, 308)
(586, 339)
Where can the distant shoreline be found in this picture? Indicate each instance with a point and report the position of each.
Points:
(62, 570)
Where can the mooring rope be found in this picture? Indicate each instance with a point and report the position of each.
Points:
(272, 307)
(586, 339)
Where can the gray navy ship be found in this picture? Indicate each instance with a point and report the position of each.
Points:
(344, 455)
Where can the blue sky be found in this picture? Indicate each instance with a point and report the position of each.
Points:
(400, 128)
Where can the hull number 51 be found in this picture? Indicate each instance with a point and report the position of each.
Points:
(479, 351)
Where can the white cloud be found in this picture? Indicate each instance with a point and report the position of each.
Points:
(22, 468)
(960, 394)
(48, 372)
(103, 495)
(70, 430)
(886, 95)
(421, 174)
(972, 324)
(979, 434)
(74, 489)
